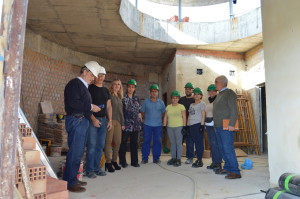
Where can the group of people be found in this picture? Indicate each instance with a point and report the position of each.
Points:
(98, 116)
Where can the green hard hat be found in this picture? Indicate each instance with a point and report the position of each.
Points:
(132, 82)
(211, 87)
(189, 85)
(154, 86)
(175, 93)
(198, 90)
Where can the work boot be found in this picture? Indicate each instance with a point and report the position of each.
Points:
(197, 164)
(171, 161)
(189, 161)
(115, 164)
(177, 163)
(214, 166)
(108, 166)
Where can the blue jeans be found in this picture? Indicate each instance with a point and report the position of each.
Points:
(77, 133)
(95, 144)
(156, 132)
(225, 142)
(190, 153)
(198, 138)
(213, 144)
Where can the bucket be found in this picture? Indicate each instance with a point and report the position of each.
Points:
(55, 151)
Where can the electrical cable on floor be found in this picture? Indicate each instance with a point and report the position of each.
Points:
(250, 194)
(195, 184)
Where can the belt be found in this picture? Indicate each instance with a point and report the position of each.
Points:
(78, 115)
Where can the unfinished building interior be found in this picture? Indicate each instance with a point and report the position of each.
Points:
(46, 42)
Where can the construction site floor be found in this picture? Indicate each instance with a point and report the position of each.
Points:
(162, 181)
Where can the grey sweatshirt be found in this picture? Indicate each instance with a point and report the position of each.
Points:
(225, 107)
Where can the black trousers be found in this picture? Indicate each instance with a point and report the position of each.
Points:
(133, 147)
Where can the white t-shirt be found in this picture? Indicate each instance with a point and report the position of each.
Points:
(195, 113)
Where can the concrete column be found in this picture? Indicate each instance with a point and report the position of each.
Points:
(281, 30)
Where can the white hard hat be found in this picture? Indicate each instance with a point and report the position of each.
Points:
(102, 70)
(94, 67)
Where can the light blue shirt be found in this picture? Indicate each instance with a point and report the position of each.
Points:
(153, 112)
(84, 82)
(86, 85)
(223, 89)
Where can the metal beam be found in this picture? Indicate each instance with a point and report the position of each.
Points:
(231, 9)
(13, 61)
(179, 11)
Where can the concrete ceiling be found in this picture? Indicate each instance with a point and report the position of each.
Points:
(188, 3)
(95, 27)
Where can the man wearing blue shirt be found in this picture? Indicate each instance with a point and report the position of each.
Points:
(153, 110)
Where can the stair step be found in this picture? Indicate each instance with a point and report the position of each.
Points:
(59, 194)
(38, 186)
(29, 143)
(32, 157)
(54, 185)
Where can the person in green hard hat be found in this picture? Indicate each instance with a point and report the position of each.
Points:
(196, 123)
(210, 130)
(175, 117)
(132, 117)
(186, 101)
(153, 110)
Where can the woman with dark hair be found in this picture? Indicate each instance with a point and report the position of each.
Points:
(196, 123)
(132, 117)
(114, 134)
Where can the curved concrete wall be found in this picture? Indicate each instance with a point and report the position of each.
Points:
(191, 33)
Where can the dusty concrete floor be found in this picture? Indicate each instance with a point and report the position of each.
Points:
(163, 181)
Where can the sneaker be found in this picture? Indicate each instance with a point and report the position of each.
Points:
(100, 173)
(197, 164)
(189, 161)
(157, 161)
(144, 161)
(91, 174)
(171, 161)
(177, 163)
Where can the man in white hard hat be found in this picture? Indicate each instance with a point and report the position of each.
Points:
(79, 108)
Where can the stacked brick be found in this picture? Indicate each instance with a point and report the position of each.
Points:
(49, 128)
(42, 187)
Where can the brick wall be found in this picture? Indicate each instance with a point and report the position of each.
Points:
(254, 56)
(44, 79)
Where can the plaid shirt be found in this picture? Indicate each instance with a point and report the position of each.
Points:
(131, 110)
